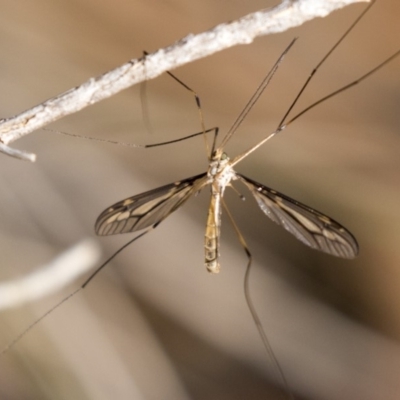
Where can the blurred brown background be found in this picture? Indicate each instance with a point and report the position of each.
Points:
(154, 324)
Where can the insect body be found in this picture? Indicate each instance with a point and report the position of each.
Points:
(148, 209)
(220, 174)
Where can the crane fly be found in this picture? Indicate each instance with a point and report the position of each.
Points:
(149, 209)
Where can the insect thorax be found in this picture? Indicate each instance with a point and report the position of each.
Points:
(220, 173)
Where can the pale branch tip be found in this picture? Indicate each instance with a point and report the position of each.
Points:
(286, 15)
(54, 275)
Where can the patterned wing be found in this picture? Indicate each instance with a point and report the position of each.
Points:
(308, 225)
(145, 209)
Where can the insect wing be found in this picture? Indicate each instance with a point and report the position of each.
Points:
(308, 225)
(145, 209)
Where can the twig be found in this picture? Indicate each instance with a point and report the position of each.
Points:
(289, 14)
(51, 277)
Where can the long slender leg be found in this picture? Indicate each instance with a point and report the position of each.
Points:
(200, 111)
(256, 95)
(342, 89)
(75, 292)
(145, 111)
(314, 71)
(105, 263)
(137, 146)
(251, 307)
(282, 125)
(33, 324)
(242, 156)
